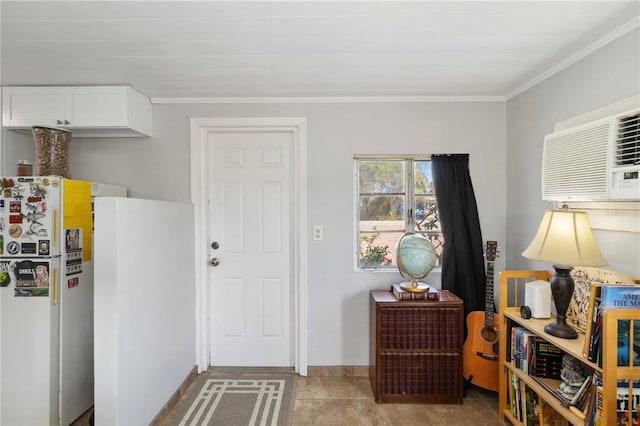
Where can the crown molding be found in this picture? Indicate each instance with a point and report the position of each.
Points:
(634, 23)
(329, 100)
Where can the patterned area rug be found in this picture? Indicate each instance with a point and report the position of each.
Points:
(234, 399)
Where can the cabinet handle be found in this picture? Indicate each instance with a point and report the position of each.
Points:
(66, 122)
(58, 122)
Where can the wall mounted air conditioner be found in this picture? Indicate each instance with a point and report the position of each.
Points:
(599, 160)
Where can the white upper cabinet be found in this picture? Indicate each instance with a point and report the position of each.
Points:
(88, 111)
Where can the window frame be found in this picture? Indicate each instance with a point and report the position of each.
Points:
(409, 208)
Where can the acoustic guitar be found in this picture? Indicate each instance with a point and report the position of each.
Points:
(480, 350)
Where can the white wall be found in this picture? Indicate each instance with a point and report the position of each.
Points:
(504, 140)
(607, 75)
(144, 306)
(158, 168)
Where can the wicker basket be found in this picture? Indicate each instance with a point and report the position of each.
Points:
(52, 151)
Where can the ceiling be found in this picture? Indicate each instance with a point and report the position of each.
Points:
(240, 49)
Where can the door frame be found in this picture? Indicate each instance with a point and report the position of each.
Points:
(200, 128)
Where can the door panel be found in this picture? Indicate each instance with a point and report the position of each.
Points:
(250, 211)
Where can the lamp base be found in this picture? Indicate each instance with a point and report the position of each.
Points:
(561, 329)
(562, 290)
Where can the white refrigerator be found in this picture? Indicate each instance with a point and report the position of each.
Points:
(46, 298)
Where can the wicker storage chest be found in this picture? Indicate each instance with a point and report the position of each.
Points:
(416, 349)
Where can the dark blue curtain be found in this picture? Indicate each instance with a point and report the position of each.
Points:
(463, 270)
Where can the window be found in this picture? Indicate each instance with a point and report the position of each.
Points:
(395, 195)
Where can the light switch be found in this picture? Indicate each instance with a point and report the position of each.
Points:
(317, 233)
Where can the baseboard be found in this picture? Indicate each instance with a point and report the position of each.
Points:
(338, 371)
(161, 417)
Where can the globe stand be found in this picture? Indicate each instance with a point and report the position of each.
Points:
(415, 286)
(416, 257)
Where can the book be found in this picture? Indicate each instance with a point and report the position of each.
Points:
(517, 402)
(532, 407)
(592, 312)
(623, 296)
(590, 410)
(400, 294)
(512, 397)
(596, 331)
(516, 342)
(528, 338)
(547, 359)
(627, 402)
(549, 416)
(598, 417)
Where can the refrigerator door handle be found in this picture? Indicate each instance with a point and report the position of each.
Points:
(54, 285)
(55, 227)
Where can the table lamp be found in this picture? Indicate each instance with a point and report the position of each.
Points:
(564, 239)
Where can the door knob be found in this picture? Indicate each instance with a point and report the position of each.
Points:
(214, 262)
(215, 245)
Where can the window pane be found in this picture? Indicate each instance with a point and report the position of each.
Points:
(382, 207)
(383, 204)
(381, 176)
(423, 181)
(427, 218)
(378, 249)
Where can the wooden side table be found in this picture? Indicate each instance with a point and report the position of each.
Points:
(416, 349)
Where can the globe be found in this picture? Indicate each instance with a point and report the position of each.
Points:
(416, 257)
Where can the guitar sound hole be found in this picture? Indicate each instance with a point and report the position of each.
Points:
(489, 334)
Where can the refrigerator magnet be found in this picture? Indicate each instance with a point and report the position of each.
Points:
(13, 247)
(5, 278)
(28, 248)
(73, 282)
(43, 247)
(15, 231)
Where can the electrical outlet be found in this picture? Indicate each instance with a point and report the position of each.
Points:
(317, 233)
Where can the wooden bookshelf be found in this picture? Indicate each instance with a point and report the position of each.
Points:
(572, 347)
(509, 312)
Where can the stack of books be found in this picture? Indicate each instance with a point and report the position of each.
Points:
(431, 294)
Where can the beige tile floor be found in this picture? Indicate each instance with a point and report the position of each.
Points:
(349, 401)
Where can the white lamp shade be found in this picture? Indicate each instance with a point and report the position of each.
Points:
(565, 238)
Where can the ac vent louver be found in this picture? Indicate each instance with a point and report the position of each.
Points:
(627, 147)
(598, 160)
(575, 164)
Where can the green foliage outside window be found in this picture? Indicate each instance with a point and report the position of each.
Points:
(373, 254)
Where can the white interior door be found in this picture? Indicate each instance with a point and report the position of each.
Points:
(250, 218)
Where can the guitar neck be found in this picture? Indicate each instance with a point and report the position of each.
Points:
(488, 297)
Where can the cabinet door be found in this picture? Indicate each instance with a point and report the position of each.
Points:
(101, 106)
(29, 106)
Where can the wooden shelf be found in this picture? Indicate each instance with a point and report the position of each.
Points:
(571, 346)
(551, 399)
